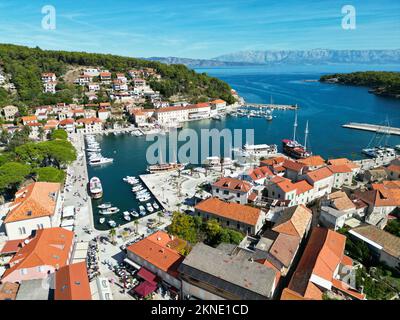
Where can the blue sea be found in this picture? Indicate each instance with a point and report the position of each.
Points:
(326, 106)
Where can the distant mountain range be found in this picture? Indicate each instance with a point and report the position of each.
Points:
(314, 56)
(196, 62)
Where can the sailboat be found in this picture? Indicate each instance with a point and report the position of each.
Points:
(379, 150)
(293, 148)
(165, 167)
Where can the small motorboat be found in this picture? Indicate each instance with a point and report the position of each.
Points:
(144, 195)
(101, 220)
(142, 210)
(156, 206)
(127, 216)
(112, 223)
(104, 205)
(134, 214)
(111, 210)
(144, 199)
(149, 207)
(137, 188)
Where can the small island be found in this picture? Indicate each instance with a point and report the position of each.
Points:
(383, 83)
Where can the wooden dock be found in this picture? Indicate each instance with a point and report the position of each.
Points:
(373, 128)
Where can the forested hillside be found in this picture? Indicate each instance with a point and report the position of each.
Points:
(25, 66)
(381, 82)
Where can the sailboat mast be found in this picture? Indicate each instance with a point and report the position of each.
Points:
(306, 136)
(295, 127)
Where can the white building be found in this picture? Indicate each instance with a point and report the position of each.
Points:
(49, 77)
(321, 180)
(336, 209)
(93, 72)
(94, 87)
(35, 207)
(9, 112)
(232, 190)
(103, 114)
(83, 79)
(89, 125)
(49, 87)
(171, 115)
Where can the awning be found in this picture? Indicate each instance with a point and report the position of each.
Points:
(147, 275)
(133, 264)
(11, 246)
(68, 211)
(145, 288)
(67, 223)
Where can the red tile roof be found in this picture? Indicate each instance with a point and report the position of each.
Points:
(161, 250)
(72, 283)
(11, 246)
(319, 174)
(89, 120)
(341, 161)
(232, 211)
(49, 247)
(302, 186)
(321, 257)
(344, 168)
(272, 161)
(292, 165)
(260, 173)
(36, 200)
(233, 184)
(312, 161)
(294, 221)
(394, 168)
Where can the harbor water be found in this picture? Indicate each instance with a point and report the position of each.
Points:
(326, 106)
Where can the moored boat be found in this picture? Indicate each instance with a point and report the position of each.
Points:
(105, 205)
(165, 167)
(109, 211)
(293, 148)
(95, 188)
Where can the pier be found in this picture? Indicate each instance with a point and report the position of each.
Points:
(373, 128)
(272, 106)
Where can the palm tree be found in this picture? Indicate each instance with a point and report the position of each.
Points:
(112, 233)
(160, 215)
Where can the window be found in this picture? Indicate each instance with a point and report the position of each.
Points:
(41, 269)
(217, 190)
(22, 230)
(238, 226)
(227, 223)
(238, 194)
(24, 271)
(226, 192)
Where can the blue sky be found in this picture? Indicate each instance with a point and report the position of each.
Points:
(199, 29)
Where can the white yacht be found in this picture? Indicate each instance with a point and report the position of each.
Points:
(127, 216)
(112, 223)
(149, 207)
(100, 161)
(109, 211)
(95, 188)
(134, 214)
(256, 150)
(105, 205)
